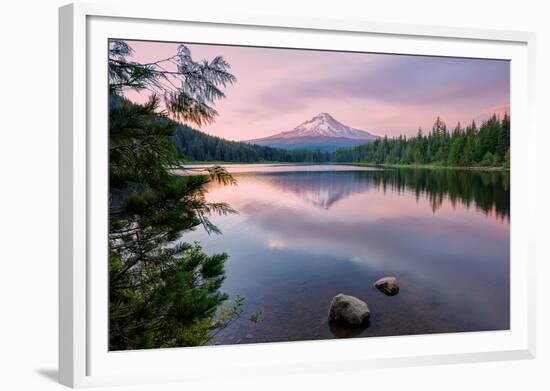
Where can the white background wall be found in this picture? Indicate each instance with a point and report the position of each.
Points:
(28, 193)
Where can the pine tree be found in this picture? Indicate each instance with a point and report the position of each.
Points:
(162, 292)
(461, 147)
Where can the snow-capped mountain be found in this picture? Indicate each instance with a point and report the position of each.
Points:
(321, 132)
(325, 125)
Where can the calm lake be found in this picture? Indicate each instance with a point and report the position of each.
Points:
(306, 233)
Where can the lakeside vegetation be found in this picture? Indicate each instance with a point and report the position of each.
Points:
(163, 292)
(199, 146)
(485, 147)
(488, 146)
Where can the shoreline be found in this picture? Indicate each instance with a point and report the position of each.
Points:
(411, 166)
(435, 167)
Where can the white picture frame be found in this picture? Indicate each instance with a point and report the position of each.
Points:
(84, 359)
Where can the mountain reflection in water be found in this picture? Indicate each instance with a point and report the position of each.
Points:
(321, 189)
(302, 237)
(488, 191)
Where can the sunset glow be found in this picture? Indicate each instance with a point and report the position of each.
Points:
(308, 216)
(277, 89)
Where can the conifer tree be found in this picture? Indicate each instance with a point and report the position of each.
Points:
(460, 148)
(163, 292)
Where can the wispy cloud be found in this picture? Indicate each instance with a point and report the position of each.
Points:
(409, 80)
(387, 94)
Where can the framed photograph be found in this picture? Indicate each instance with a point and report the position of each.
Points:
(267, 195)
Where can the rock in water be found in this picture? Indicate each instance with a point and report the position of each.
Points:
(349, 310)
(387, 285)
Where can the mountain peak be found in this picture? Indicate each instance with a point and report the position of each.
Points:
(324, 125)
(324, 115)
(320, 129)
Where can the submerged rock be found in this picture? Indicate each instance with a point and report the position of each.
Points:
(349, 310)
(341, 330)
(387, 285)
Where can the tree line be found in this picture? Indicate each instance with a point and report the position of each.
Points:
(200, 146)
(488, 145)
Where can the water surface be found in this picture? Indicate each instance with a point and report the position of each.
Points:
(306, 233)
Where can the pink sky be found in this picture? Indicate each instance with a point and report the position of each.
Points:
(277, 89)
